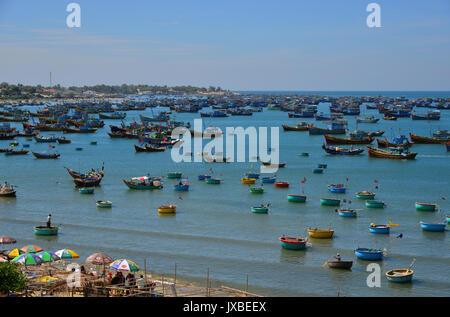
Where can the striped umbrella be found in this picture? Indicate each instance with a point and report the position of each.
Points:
(48, 256)
(14, 252)
(67, 254)
(124, 265)
(27, 259)
(31, 249)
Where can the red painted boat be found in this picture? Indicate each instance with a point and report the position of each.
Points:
(282, 184)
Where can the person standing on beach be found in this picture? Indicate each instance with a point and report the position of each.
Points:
(49, 221)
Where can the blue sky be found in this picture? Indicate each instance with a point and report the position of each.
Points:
(237, 45)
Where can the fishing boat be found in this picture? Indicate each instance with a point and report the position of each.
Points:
(263, 209)
(318, 170)
(303, 126)
(330, 202)
(436, 227)
(400, 275)
(86, 190)
(336, 188)
(79, 130)
(91, 174)
(203, 177)
(256, 190)
(292, 243)
(247, 180)
(269, 180)
(389, 118)
(375, 204)
(431, 115)
(149, 148)
(320, 233)
(369, 254)
(425, 206)
(113, 116)
(336, 150)
(365, 195)
(213, 181)
(46, 156)
(334, 128)
(398, 141)
(427, 140)
(340, 264)
(87, 182)
(335, 140)
(296, 198)
(45, 231)
(174, 175)
(44, 139)
(104, 203)
(282, 184)
(16, 152)
(393, 153)
(143, 183)
(181, 186)
(274, 165)
(347, 212)
(7, 191)
(63, 140)
(168, 209)
(383, 229)
(367, 119)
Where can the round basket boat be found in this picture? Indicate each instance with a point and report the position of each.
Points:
(330, 202)
(169, 209)
(375, 204)
(296, 198)
(256, 190)
(260, 209)
(340, 264)
(425, 207)
(320, 233)
(104, 204)
(213, 181)
(45, 231)
(365, 195)
(292, 243)
(174, 175)
(318, 170)
(400, 275)
(86, 190)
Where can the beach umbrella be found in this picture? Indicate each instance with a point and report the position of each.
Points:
(14, 252)
(5, 240)
(98, 259)
(31, 249)
(124, 265)
(67, 254)
(27, 259)
(48, 256)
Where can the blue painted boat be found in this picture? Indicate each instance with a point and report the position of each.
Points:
(339, 188)
(383, 229)
(269, 180)
(203, 177)
(347, 213)
(252, 175)
(181, 186)
(437, 227)
(369, 254)
(400, 275)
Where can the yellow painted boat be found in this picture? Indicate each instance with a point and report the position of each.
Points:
(169, 209)
(320, 233)
(247, 180)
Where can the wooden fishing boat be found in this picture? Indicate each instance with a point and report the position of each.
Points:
(398, 141)
(330, 202)
(400, 275)
(45, 231)
(256, 190)
(263, 209)
(365, 195)
(174, 175)
(436, 227)
(168, 209)
(146, 184)
(7, 191)
(320, 233)
(63, 140)
(292, 243)
(213, 181)
(336, 188)
(79, 130)
(375, 204)
(313, 130)
(269, 180)
(394, 153)
(425, 206)
(46, 156)
(376, 133)
(340, 264)
(427, 140)
(282, 184)
(43, 139)
(296, 198)
(367, 119)
(149, 148)
(87, 182)
(298, 127)
(369, 254)
(341, 151)
(335, 140)
(389, 118)
(113, 116)
(181, 186)
(90, 174)
(86, 190)
(347, 213)
(382, 229)
(104, 203)
(247, 180)
(16, 152)
(318, 170)
(274, 165)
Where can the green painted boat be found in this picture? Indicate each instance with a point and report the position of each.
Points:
(86, 190)
(292, 243)
(256, 190)
(447, 218)
(213, 181)
(375, 204)
(260, 209)
(104, 204)
(296, 198)
(425, 207)
(174, 175)
(330, 202)
(45, 231)
(365, 195)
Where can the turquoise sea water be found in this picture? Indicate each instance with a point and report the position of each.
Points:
(214, 228)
